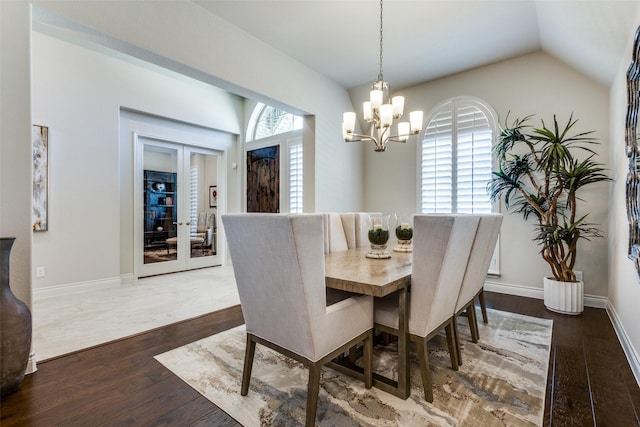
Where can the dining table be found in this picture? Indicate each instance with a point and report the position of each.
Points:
(353, 272)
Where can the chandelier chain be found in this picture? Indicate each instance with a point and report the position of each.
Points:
(380, 78)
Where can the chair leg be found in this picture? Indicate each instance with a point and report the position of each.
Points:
(313, 390)
(456, 337)
(473, 321)
(483, 306)
(368, 359)
(248, 364)
(451, 341)
(425, 373)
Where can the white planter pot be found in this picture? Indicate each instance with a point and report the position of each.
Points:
(564, 297)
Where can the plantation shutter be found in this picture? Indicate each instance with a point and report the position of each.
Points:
(473, 160)
(295, 177)
(456, 162)
(437, 164)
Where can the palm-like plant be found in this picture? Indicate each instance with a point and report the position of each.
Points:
(540, 175)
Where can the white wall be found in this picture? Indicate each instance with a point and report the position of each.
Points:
(624, 288)
(15, 151)
(532, 84)
(78, 93)
(214, 51)
(80, 86)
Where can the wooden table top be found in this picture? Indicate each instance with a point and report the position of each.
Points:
(352, 271)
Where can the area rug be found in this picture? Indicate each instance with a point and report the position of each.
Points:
(502, 381)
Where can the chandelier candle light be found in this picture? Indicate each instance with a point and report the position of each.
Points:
(379, 112)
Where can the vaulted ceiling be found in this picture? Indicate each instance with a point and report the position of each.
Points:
(428, 39)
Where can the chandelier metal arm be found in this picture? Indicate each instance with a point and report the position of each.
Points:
(381, 140)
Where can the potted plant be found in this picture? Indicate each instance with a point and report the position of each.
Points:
(540, 176)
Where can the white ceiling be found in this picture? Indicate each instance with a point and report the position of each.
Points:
(428, 39)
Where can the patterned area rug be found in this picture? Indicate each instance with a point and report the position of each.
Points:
(502, 381)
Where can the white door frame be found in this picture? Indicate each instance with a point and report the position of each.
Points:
(184, 262)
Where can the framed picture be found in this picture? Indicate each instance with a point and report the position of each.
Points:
(40, 195)
(632, 143)
(213, 196)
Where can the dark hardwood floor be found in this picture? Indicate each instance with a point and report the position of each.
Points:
(590, 382)
(121, 384)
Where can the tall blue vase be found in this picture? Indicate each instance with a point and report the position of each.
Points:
(15, 327)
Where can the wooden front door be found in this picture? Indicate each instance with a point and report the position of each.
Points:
(263, 180)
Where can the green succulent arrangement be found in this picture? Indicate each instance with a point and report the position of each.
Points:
(404, 233)
(378, 236)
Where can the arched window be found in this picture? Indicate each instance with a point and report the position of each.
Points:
(456, 158)
(270, 127)
(268, 121)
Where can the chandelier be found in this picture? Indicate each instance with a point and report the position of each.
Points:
(380, 112)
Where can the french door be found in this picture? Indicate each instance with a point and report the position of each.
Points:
(176, 207)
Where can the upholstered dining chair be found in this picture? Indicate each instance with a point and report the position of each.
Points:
(335, 239)
(475, 274)
(356, 229)
(441, 247)
(278, 262)
(344, 230)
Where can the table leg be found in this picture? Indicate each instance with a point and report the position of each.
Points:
(402, 387)
(404, 379)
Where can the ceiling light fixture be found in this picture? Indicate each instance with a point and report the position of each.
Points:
(380, 115)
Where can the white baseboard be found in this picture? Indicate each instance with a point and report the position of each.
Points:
(127, 279)
(72, 288)
(31, 364)
(627, 347)
(538, 293)
(521, 291)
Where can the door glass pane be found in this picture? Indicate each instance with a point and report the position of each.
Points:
(160, 194)
(203, 204)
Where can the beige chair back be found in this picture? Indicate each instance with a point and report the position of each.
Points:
(346, 230)
(278, 262)
(335, 239)
(356, 229)
(480, 258)
(441, 248)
